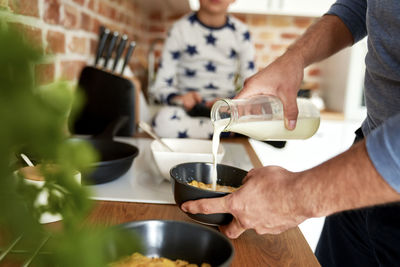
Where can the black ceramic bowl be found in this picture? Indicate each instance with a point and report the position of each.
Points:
(184, 173)
(182, 240)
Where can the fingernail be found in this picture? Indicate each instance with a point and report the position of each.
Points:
(184, 208)
(291, 124)
(231, 235)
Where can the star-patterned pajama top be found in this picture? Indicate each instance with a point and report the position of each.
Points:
(204, 59)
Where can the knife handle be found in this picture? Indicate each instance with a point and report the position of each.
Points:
(111, 48)
(121, 48)
(102, 44)
(132, 46)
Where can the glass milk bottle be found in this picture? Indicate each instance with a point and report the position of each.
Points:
(262, 118)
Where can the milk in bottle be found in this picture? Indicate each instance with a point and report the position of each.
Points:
(262, 118)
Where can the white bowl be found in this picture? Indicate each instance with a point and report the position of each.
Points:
(185, 150)
(32, 177)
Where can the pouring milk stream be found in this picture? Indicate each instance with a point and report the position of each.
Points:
(260, 118)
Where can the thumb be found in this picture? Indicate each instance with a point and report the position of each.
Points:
(290, 111)
(233, 230)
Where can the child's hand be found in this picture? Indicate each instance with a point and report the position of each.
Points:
(189, 100)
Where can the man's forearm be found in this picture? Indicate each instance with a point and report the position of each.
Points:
(348, 181)
(321, 40)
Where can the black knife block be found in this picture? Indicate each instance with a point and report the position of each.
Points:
(107, 98)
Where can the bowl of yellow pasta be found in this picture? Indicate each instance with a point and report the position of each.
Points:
(192, 181)
(176, 243)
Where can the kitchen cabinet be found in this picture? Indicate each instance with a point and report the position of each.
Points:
(308, 8)
(342, 81)
(250, 6)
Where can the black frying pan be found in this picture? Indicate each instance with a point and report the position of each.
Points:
(115, 157)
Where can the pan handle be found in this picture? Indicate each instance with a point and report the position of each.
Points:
(112, 128)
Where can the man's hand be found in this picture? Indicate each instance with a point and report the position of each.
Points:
(282, 78)
(272, 199)
(189, 100)
(266, 202)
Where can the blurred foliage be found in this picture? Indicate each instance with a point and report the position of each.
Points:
(33, 121)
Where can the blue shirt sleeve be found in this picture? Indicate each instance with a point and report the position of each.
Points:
(353, 15)
(383, 146)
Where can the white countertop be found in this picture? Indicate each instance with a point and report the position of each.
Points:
(332, 138)
(143, 182)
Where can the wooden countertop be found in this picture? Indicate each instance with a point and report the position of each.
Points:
(287, 249)
(332, 115)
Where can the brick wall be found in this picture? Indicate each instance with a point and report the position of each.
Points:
(67, 31)
(273, 34)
